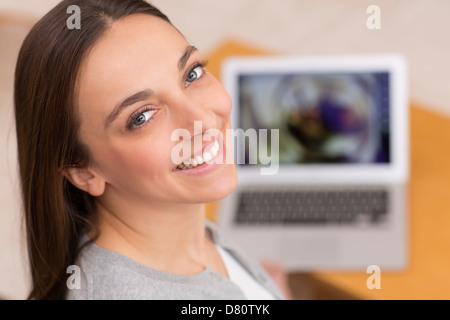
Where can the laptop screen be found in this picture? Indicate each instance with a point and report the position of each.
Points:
(322, 118)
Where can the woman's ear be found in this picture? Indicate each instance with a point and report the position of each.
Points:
(85, 179)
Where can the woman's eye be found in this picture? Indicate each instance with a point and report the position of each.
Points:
(194, 75)
(143, 118)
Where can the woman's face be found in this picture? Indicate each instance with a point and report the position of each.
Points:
(139, 84)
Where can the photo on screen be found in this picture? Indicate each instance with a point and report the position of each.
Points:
(322, 118)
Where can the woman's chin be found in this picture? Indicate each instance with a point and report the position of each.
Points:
(221, 189)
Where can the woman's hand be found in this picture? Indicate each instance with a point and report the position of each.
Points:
(278, 275)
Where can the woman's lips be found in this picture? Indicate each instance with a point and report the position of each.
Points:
(205, 161)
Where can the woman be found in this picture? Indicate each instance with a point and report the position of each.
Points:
(96, 110)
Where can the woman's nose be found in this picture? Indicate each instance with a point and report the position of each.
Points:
(191, 114)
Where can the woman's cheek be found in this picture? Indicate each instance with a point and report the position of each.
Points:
(134, 162)
(148, 159)
(226, 103)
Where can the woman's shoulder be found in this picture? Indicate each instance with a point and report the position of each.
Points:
(108, 275)
(102, 274)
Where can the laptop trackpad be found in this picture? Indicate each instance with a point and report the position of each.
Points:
(310, 250)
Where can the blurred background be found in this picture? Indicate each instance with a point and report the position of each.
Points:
(418, 29)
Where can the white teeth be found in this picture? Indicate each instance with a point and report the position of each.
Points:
(207, 156)
(199, 160)
(214, 149)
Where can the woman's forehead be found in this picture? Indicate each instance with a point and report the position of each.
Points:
(135, 50)
(135, 39)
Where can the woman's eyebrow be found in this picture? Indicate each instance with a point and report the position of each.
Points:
(139, 96)
(185, 57)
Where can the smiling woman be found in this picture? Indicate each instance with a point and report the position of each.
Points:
(95, 110)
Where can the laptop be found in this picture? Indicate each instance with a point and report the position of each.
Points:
(321, 148)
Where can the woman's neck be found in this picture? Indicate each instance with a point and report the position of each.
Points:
(166, 237)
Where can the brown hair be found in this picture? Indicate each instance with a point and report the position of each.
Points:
(47, 126)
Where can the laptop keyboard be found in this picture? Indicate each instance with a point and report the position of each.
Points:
(313, 207)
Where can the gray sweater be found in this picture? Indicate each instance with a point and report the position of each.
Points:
(109, 275)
